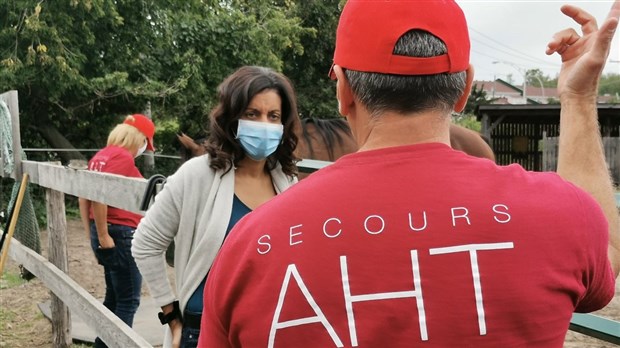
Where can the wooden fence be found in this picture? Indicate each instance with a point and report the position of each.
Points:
(66, 295)
(610, 144)
(115, 190)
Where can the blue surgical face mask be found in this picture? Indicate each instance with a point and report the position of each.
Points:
(259, 139)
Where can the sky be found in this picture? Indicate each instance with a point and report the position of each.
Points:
(515, 34)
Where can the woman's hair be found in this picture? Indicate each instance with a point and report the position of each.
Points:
(234, 96)
(126, 136)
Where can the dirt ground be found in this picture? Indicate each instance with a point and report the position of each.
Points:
(23, 326)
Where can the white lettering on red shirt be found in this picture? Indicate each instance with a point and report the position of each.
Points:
(506, 218)
(291, 235)
(416, 293)
(319, 318)
(368, 221)
(464, 215)
(473, 257)
(325, 228)
(263, 244)
(411, 222)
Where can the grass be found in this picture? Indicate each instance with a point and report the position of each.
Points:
(10, 280)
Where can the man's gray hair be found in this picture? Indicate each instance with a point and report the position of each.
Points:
(409, 93)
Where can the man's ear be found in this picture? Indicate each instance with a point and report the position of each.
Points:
(343, 92)
(469, 80)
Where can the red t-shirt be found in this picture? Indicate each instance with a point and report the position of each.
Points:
(406, 246)
(117, 160)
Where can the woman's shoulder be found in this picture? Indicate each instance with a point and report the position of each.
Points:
(195, 167)
(281, 179)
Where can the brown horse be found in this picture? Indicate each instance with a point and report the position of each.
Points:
(330, 139)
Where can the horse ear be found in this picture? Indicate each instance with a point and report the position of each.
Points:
(469, 79)
(191, 145)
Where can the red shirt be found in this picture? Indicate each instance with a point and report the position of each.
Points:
(406, 246)
(117, 160)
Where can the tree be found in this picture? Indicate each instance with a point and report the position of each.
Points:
(477, 96)
(610, 85)
(535, 77)
(467, 119)
(81, 65)
(316, 92)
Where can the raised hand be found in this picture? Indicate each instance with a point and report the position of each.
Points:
(583, 57)
(581, 158)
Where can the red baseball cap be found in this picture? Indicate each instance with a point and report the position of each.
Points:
(369, 29)
(145, 126)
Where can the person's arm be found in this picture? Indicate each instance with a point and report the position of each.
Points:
(581, 158)
(100, 214)
(175, 325)
(85, 214)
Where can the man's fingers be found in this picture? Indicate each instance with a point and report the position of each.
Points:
(615, 10)
(562, 40)
(583, 18)
(602, 44)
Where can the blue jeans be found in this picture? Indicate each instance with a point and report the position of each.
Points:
(123, 281)
(189, 337)
(191, 329)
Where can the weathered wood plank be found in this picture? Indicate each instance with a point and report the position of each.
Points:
(108, 326)
(57, 246)
(115, 190)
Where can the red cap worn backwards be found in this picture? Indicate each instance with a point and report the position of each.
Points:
(145, 126)
(369, 29)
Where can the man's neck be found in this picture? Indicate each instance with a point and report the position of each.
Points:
(390, 129)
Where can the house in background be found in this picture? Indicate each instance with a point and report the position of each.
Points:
(505, 93)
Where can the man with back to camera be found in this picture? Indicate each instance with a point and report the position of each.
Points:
(397, 245)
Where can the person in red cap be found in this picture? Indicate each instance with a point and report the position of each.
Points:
(408, 242)
(111, 229)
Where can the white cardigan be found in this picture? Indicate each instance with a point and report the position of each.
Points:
(194, 209)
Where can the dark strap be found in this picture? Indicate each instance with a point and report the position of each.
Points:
(174, 314)
(151, 190)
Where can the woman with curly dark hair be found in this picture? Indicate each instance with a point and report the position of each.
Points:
(249, 160)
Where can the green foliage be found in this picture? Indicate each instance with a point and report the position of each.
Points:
(535, 77)
(38, 201)
(81, 65)
(610, 85)
(316, 92)
(467, 121)
(477, 96)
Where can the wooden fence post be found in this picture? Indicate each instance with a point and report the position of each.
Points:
(57, 246)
